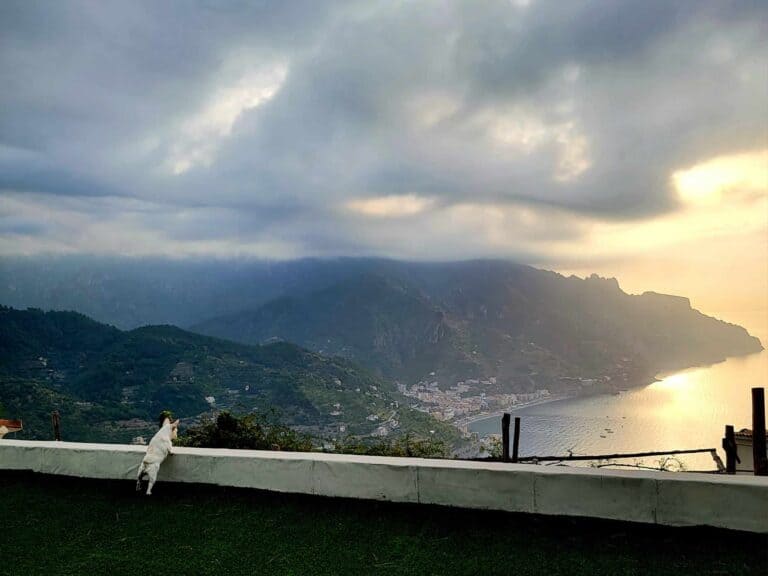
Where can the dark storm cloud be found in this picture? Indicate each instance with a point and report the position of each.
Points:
(259, 122)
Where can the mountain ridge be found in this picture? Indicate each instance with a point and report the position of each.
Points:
(486, 314)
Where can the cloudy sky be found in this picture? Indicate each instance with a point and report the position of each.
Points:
(627, 138)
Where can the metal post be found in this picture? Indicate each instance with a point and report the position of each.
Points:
(505, 437)
(516, 439)
(56, 421)
(758, 432)
(729, 445)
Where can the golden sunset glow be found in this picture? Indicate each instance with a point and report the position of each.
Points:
(723, 198)
(714, 248)
(708, 182)
(390, 206)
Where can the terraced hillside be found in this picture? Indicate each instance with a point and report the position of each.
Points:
(110, 384)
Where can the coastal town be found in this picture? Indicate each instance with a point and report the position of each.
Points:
(462, 403)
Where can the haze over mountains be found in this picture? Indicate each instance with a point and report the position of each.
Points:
(512, 327)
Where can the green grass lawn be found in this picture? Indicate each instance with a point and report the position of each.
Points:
(54, 525)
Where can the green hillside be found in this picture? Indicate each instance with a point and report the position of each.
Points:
(109, 385)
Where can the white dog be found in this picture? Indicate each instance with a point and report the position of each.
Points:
(160, 447)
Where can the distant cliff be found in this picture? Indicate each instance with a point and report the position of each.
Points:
(522, 327)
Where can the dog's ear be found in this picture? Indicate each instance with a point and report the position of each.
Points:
(175, 424)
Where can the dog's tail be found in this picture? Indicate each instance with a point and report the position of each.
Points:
(142, 472)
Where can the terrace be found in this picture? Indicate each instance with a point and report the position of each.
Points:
(58, 525)
(218, 511)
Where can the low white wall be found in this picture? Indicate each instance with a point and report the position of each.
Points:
(676, 499)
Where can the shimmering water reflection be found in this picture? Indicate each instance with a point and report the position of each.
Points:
(686, 409)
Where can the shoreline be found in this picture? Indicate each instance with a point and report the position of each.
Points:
(640, 382)
(514, 408)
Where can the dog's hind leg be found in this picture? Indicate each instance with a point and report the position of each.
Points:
(152, 471)
(139, 476)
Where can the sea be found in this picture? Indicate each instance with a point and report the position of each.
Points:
(688, 409)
